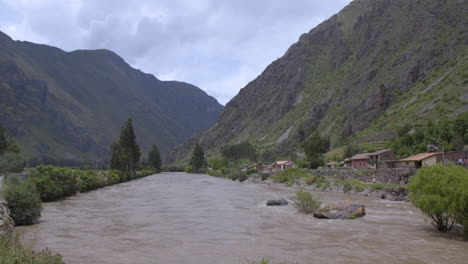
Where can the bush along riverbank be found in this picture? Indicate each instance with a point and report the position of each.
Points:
(54, 183)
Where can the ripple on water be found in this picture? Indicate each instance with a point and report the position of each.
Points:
(181, 218)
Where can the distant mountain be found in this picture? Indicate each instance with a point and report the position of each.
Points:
(71, 105)
(359, 76)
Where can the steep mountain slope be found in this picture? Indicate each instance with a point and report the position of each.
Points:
(71, 105)
(359, 75)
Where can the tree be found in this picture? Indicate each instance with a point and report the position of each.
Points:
(125, 151)
(11, 162)
(197, 160)
(442, 194)
(238, 151)
(314, 148)
(3, 140)
(154, 157)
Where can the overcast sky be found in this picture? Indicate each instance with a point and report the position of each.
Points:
(218, 45)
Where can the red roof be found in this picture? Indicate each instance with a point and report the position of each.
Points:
(378, 152)
(360, 157)
(420, 156)
(287, 162)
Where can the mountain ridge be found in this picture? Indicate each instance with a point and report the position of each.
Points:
(351, 77)
(70, 105)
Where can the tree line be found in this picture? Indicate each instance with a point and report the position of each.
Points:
(125, 151)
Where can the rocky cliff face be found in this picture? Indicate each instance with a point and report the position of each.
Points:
(369, 69)
(71, 105)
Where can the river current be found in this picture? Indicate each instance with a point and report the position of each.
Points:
(193, 218)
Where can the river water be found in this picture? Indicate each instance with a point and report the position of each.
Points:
(191, 218)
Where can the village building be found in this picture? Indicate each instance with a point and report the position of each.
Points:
(262, 168)
(360, 161)
(333, 164)
(283, 165)
(456, 157)
(421, 159)
(347, 163)
(372, 160)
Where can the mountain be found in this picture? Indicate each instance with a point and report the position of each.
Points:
(71, 105)
(359, 76)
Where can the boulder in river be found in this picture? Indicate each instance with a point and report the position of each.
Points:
(340, 211)
(279, 202)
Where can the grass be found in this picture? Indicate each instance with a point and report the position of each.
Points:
(305, 202)
(263, 261)
(360, 186)
(13, 252)
(290, 176)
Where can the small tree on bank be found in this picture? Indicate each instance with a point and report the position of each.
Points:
(441, 193)
(154, 158)
(197, 161)
(125, 151)
(314, 148)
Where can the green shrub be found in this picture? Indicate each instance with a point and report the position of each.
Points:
(305, 202)
(226, 171)
(54, 183)
(215, 173)
(23, 201)
(441, 193)
(265, 176)
(263, 261)
(189, 169)
(290, 176)
(252, 171)
(12, 252)
(347, 186)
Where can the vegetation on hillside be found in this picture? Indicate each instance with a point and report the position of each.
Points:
(352, 87)
(441, 193)
(450, 134)
(243, 150)
(65, 107)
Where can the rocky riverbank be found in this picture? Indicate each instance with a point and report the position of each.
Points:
(391, 192)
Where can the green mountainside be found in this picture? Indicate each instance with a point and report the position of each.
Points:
(359, 76)
(71, 105)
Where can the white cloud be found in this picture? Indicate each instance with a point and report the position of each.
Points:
(217, 45)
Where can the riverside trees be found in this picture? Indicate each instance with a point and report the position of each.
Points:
(154, 157)
(441, 193)
(11, 159)
(197, 161)
(125, 151)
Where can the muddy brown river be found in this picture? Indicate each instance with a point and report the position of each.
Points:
(182, 218)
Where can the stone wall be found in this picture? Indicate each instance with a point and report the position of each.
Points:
(395, 176)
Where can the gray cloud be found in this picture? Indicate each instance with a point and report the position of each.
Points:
(218, 45)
